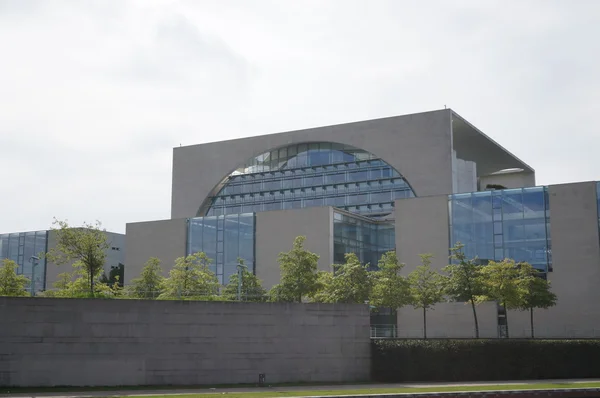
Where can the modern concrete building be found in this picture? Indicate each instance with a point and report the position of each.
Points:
(27, 248)
(415, 183)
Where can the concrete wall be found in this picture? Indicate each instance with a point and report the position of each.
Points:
(115, 253)
(422, 227)
(276, 231)
(464, 175)
(576, 267)
(165, 239)
(52, 269)
(508, 180)
(71, 342)
(418, 146)
(449, 320)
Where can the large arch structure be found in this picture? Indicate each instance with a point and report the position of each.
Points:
(309, 174)
(420, 146)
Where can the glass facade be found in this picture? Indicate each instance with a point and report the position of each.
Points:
(313, 174)
(508, 223)
(20, 247)
(366, 238)
(223, 239)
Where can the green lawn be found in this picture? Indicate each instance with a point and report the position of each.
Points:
(275, 391)
(366, 391)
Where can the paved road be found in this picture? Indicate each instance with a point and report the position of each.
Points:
(134, 393)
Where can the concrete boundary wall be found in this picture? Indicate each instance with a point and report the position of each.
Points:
(78, 342)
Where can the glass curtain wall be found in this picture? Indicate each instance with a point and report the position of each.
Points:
(20, 247)
(315, 174)
(367, 239)
(509, 223)
(223, 239)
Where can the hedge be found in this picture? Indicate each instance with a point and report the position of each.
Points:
(395, 361)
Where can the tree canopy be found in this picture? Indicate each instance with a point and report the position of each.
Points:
(535, 292)
(149, 284)
(349, 283)
(12, 284)
(298, 274)
(390, 289)
(85, 246)
(75, 285)
(251, 287)
(464, 281)
(321, 294)
(190, 279)
(426, 288)
(115, 275)
(500, 283)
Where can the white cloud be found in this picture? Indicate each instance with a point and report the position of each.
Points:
(94, 94)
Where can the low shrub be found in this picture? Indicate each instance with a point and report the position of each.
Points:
(483, 360)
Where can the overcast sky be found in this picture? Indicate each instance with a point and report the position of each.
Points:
(95, 94)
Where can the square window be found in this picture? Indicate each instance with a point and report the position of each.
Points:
(498, 240)
(498, 255)
(497, 227)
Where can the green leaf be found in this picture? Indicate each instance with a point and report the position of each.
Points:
(12, 284)
(251, 287)
(150, 282)
(190, 279)
(390, 289)
(299, 279)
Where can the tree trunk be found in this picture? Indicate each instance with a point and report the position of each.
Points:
(475, 318)
(92, 283)
(506, 317)
(531, 320)
(424, 323)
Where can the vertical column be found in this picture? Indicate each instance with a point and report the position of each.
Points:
(220, 248)
(498, 225)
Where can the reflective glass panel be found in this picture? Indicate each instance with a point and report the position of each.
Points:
(22, 248)
(362, 179)
(368, 239)
(509, 223)
(224, 239)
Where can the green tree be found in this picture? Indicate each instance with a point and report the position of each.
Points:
(85, 246)
(349, 283)
(464, 281)
(190, 279)
(321, 294)
(389, 289)
(426, 288)
(279, 294)
(12, 284)
(500, 284)
(534, 290)
(298, 274)
(115, 275)
(251, 287)
(150, 282)
(75, 285)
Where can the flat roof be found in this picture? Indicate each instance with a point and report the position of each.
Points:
(468, 141)
(472, 144)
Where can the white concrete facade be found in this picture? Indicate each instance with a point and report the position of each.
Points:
(439, 153)
(420, 146)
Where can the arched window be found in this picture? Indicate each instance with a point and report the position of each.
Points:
(310, 174)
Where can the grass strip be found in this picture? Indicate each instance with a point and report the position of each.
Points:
(283, 390)
(370, 391)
